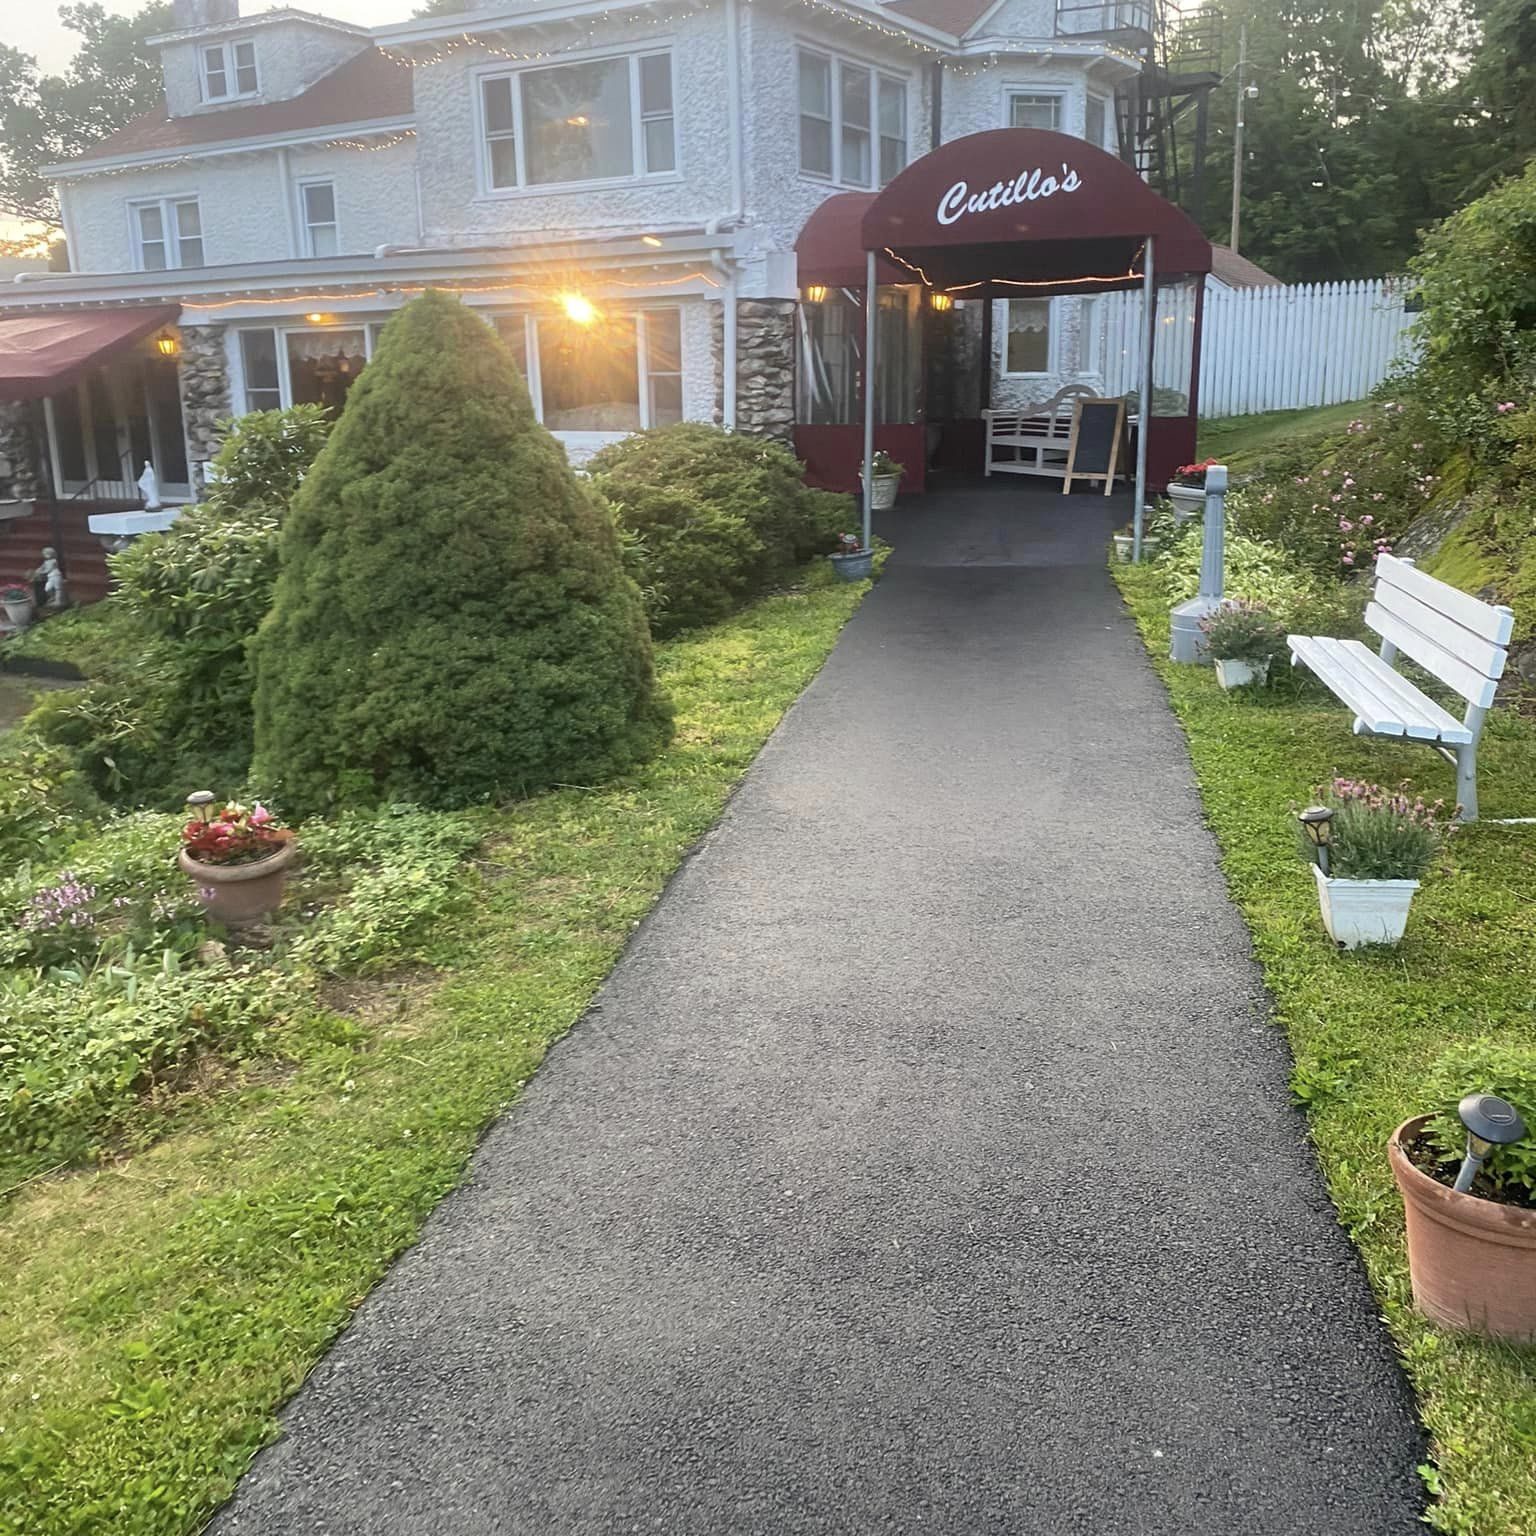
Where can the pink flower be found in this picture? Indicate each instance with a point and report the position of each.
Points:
(1508, 405)
(1345, 526)
(1367, 520)
(1348, 558)
(1337, 496)
(260, 815)
(1349, 480)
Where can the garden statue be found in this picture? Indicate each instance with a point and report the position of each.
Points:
(48, 581)
(149, 489)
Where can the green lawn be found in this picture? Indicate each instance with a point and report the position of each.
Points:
(1364, 1026)
(156, 1312)
(1241, 442)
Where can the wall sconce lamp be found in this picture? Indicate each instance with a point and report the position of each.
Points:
(1317, 822)
(1491, 1122)
(941, 302)
(816, 294)
(166, 344)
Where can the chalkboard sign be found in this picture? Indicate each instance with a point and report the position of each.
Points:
(1097, 443)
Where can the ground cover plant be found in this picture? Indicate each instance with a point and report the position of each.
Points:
(157, 1307)
(1367, 1028)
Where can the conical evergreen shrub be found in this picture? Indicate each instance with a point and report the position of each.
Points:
(452, 622)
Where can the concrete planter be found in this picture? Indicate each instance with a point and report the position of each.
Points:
(1125, 547)
(1472, 1261)
(20, 614)
(859, 567)
(1357, 912)
(1241, 674)
(882, 491)
(240, 893)
(1188, 500)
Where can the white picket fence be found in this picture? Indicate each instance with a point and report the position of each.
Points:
(1264, 349)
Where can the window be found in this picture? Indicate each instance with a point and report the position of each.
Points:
(661, 332)
(623, 374)
(1095, 120)
(893, 128)
(229, 69)
(598, 120)
(167, 233)
(1028, 340)
(258, 357)
(844, 109)
(1034, 109)
(317, 207)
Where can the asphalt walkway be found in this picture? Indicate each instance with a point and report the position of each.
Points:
(928, 1166)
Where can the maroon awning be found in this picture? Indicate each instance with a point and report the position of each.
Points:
(1011, 211)
(41, 354)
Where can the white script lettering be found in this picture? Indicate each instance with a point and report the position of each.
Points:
(1027, 187)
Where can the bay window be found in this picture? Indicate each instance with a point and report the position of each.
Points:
(167, 232)
(593, 120)
(853, 121)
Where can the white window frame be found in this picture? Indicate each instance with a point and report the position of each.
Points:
(643, 374)
(170, 230)
(283, 332)
(1052, 339)
(837, 63)
(306, 228)
(1109, 118)
(637, 119)
(230, 66)
(1038, 93)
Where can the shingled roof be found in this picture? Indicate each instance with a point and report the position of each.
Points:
(369, 87)
(956, 17)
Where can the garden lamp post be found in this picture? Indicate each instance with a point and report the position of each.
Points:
(1491, 1122)
(200, 805)
(1317, 823)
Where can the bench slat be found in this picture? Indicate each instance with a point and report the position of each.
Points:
(1451, 670)
(1384, 701)
(1481, 655)
(1487, 622)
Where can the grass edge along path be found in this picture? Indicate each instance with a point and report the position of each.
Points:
(155, 1315)
(1363, 1027)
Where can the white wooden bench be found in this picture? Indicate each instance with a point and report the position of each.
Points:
(1035, 440)
(1457, 639)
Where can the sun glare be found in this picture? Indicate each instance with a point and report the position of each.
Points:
(578, 309)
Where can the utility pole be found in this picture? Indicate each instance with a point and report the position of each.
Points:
(1237, 138)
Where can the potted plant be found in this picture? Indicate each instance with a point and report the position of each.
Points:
(1467, 1175)
(1241, 638)
(1368, 847)
(851, 561)
(237, 857)
(19, 605)
(1125, 544)
(884, 477)
(1187, 488)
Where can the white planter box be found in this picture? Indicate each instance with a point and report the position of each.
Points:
(882, 495)
(1241, 674)
(1357, 912)
(1188, 500)
(1125, 547)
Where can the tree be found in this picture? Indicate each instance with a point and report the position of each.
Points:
(451, 622)
(45, 119)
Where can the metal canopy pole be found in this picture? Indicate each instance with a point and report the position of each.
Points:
(1144, 423)
(869, 397)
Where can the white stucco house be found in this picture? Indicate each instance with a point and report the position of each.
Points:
(647, 162)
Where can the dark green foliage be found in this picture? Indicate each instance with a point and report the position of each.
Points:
(689, 558)
(452, 622)
(172, 711)
(738, 475)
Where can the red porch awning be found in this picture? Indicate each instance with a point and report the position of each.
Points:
(41, 354)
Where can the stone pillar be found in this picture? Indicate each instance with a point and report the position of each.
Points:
(765, 368)
(21, 477)
(205, 394)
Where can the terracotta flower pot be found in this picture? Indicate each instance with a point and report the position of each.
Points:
(1472, 1261)
(240, 893)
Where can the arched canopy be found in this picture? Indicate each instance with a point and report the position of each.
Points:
(1023, 208)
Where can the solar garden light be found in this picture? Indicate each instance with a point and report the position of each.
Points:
(200, 804)
(1491, 1122)
(1317, 822)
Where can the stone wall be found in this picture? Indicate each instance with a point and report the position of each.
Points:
(20, 472)
(765, 368)
(205, 396)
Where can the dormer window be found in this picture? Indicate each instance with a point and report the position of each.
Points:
(229, 70)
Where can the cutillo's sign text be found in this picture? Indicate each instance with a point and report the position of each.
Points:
(1026, 187)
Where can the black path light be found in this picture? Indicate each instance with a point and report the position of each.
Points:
(200, 804)
(1491, 1122)
(1317, 823)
